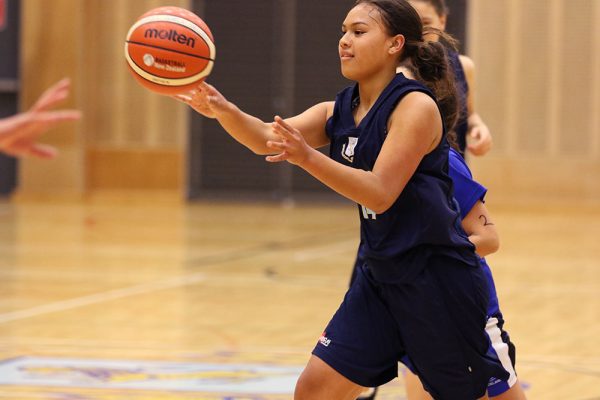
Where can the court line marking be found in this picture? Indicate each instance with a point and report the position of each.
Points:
(144, 288)
(96, 298)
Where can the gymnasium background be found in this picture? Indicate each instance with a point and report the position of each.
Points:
(149, 237)
(538, 90)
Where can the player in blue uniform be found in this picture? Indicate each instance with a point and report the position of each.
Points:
(471, 131)
(478, 224)
(421, 292)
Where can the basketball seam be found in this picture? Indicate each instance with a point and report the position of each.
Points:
(172, 50)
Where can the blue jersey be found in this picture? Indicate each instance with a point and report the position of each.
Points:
(467, 193)
(462, 89)
(425, 217)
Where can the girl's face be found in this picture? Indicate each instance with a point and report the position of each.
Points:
(366, 47)
(429, 17)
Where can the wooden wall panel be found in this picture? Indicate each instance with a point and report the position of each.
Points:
(492, 63)
(532, 78)
(84, 39)
(538, 64)
(576, 57)
(50, 37)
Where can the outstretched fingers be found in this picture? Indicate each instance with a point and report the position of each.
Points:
(280, 148)
(278, 157)
(53, 95)
(184, 98)
(50, 118)
(284, 129)
(35, 124)
(41, 150)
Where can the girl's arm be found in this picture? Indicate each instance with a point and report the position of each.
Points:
(414, 129)
(481, 230)
(249, 130)
(480, 137)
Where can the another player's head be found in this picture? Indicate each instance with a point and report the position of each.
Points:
(433, 13)
(376, 31)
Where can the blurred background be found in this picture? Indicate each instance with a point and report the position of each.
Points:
(154, 236)
(538, 88)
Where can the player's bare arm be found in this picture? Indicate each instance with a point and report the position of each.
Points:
(415, 129)
(478, 224)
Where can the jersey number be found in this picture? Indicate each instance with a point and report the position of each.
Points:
(368, 214)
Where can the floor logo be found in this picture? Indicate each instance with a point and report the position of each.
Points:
(144, 375)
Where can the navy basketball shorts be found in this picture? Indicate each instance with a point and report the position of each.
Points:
(437, 319)
(505, 350)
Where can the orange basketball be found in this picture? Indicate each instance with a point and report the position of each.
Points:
(170, 50)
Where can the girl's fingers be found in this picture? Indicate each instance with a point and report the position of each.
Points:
(275, 145)
(282, 131)
(277, 158)
(183, 98)
(280, 121)
(52, 117)
(53, 95)
(205, 87)
(42, 151)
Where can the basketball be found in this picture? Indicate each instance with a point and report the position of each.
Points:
(169, 50)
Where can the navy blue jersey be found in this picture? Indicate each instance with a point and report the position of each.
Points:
(462, 89)
(467, 193)
(425, 215)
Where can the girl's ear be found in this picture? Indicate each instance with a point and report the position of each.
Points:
(397, 44)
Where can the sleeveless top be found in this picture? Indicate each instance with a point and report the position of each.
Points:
(424, 220)
(462, 91)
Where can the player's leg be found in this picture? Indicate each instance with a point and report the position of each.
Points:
(320, 381)
(368, 394)
(414, 387)
(361, 344)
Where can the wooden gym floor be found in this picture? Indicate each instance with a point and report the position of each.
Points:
(150, 298)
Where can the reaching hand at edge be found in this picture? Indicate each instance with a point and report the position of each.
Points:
(19, 133)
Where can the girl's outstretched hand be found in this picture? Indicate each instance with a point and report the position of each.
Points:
(205, 99)
(290, 147)
(19, 134)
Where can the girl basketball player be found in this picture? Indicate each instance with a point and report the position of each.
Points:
(421, 292)
(472, 133)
